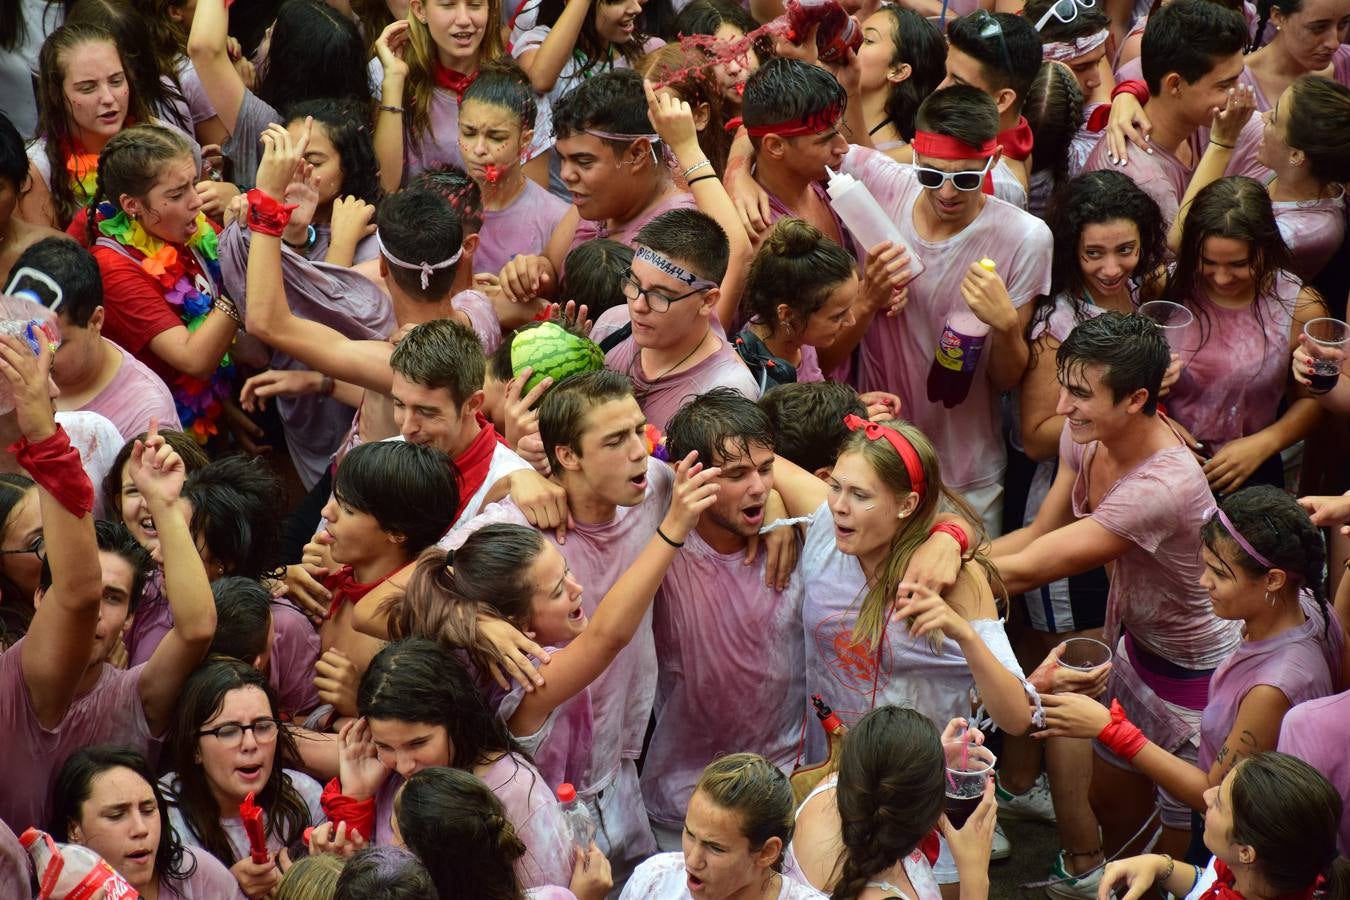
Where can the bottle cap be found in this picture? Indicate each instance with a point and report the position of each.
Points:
(566, 793)
(988, 263)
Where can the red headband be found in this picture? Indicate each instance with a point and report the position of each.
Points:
(941, 146)
(812, 124)
(908, 454)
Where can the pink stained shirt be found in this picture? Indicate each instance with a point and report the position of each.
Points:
(664, 877)
(1340, 64)
(14, 867)
(522, 228)
(134, 397)
(716, 626)
(210, 880)
(1301, 663)
(896, 354)
(482, 318)
(661, 398)
(627, 233)
(109, 713)
(1316, 731)
(1233, 386)
(1159, 507)
(1313, 230)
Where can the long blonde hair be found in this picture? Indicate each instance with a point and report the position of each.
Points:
(884, 460)
(422, 66)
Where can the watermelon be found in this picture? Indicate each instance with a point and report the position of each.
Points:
(551, 350)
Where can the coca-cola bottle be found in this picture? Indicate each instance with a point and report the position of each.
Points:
(838, 32)
(957, 355)
(71, 871)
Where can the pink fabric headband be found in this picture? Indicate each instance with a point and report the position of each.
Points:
(1242, 541)
(1062, 51)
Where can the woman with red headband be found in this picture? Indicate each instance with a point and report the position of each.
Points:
(878, 505)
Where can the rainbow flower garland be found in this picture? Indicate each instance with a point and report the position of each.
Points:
(200, 403)
(83, 170)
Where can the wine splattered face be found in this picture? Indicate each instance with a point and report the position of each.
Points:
(490, 140)
(734, 61)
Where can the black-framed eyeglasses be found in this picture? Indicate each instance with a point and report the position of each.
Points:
(1065, 11)
(658, 301)
(991, 29)
(38, 547)
(232, 733)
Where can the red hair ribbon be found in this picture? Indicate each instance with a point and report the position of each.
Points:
(812, 124)
(941, 146)
(910, 456)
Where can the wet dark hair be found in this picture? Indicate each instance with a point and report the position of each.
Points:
(1289, 814)
(315, 52)
(417, 680)
(344, 122)
(1319, 125)
(15, 609)
(234, 513)
(115, 538)
(808, 420)
(504, 84)
(890, 793)
(201, 700)
(1130, 348)
(384, 873)
(796, 265)
(1187, 37)
(706, 16)
(410, 489)
(1010, 62)
(440, 807)
(691, 237)
(716, 424)
(789, 90)
(13, 157)
(1095, 198)
(442, 353)
(1054, 110)
(959, 111)
(563, 411)
(458, 189)
(611, 101)
(75, 782)
(919, 44)
(591, 274)
(155, 77)
(419, 226)
(591, 50)
(184, 444)
(243, 609)
(75, 271)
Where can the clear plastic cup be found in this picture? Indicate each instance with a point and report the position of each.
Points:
(969, 768)
(1326, 345)
(1084, 654)
(1175, 322)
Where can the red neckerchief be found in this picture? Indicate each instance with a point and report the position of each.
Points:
(453, 81)
(930, 847)
(1224, 879)
(1016, 144)
(474, 462)
(1099, 117)
(346, 589)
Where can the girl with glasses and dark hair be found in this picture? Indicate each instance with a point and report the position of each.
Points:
(21, 554)
(106, 798)
(228, 742)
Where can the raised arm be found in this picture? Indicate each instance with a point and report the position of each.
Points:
(617, 617)
(60, 639)
(391, 47)
(158, 473)
(544, 65)
(1223, 137)
(208, 49)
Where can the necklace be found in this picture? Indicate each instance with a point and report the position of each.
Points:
(684, 360)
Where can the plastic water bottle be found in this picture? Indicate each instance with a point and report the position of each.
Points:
(70, 871)
(958, 353)
(580, 825)
(863, 216)
(838, 33)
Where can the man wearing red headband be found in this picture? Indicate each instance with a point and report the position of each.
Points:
(953, 226)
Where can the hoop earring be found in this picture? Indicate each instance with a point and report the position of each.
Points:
(1270, 599)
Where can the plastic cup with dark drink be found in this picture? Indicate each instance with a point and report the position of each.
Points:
(969, 768)
(1326, 345)
(1175, 321)
(1084, 654)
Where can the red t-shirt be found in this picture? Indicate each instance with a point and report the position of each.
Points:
(135, 309)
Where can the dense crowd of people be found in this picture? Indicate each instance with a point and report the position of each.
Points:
(673, 448)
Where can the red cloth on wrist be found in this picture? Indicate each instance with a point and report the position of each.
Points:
(358, 814)
(955, 531)
(1135, 88)
(266, 214)
(55, 465)
(1122, 737)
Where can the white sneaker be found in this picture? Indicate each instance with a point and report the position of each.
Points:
(1002, 848)
(1084, 887)
(1034, 805)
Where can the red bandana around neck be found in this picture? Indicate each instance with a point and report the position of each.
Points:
(346, 589)
(453, 81)
(1224, 879)
(1017, 140)
(473, 463)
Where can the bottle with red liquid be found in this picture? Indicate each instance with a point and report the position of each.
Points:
(838, 33)
(958, 353)
(805, 778)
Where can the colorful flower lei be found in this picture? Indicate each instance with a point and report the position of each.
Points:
(200, 403)
(83, 170)
(656, 442)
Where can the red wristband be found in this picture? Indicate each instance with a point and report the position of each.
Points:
(56, 466)
(267, 215)
(1122, 737)
(955, 531)
(358, 814)
(1135, 88)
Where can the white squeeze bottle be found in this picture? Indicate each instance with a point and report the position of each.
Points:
(863, 216)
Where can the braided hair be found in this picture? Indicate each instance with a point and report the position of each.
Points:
(131, 163)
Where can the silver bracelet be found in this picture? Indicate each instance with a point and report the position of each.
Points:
(695, 167)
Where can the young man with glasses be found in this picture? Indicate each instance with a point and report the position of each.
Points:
(1000, 54)
(672, 288)
(953, 226)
